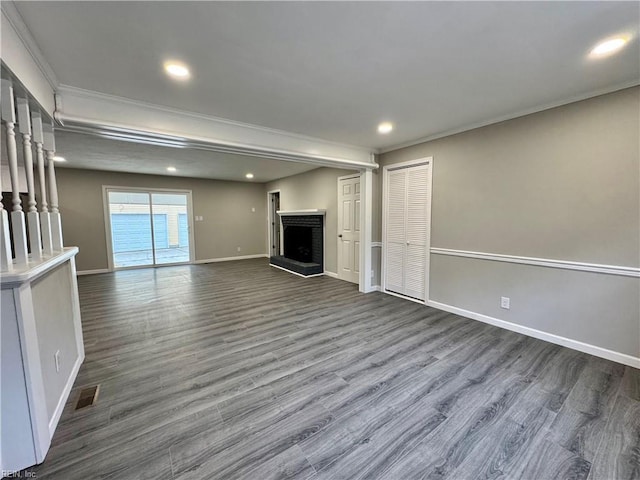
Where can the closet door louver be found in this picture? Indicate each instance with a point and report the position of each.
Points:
(396, 231)
(407, 231)
(416, 232)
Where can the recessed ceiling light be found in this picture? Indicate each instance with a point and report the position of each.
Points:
(249, 175)
(385, 127)
(171, 169)
(177, 70)
(609, 46)
(59, 159)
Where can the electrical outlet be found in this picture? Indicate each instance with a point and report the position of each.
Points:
(505, 302)
(56, 357)
(239, 249)
(253, 209)
(371, 274)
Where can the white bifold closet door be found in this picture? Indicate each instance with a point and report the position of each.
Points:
(407, 231)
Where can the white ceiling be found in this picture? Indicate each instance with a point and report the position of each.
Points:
(333, 70)
(97, 153)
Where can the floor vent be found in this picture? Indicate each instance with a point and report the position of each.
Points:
(88, 397)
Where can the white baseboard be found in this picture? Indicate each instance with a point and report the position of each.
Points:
(53, 423)
(549, 337)
(93, 272)
(230, 259)
(371, 288)
(331, 274)
(404, 297)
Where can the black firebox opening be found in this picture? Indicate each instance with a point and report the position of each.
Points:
(298, 243)
(303, 240)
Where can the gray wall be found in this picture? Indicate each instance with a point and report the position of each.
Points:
(226, 206)
(314, 189)
(561, 184)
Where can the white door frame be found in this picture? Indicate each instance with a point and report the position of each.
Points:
(269, 220)
(150, 191)
(385, 196)
(338, 240)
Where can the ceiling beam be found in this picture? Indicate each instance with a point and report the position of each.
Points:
(120, 118)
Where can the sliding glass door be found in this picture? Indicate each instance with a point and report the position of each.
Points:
(148, 228)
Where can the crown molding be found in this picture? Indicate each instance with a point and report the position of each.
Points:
(512, 116)
(86, 111)
(24, 34)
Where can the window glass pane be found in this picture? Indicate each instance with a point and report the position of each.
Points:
(130, 215)
(170, 227)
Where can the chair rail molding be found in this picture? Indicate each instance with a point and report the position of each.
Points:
(542, 262)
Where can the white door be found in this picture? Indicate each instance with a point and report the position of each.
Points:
(407, 228)
(349, 228)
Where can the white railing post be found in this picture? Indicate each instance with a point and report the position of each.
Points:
(17, 215)
(24, 125)
(45, 220)
(6, 257)
(6, 262)
(56, 222)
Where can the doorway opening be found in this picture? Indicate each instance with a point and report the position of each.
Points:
(275, 227)
(148, 228)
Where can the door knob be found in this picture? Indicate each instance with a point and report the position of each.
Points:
(408, 243)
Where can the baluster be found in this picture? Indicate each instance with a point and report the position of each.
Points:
(17, 215)
(6, 262)
(24, 125)
(56, 223)
(45, 220)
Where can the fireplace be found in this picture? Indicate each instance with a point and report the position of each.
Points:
(303, 238)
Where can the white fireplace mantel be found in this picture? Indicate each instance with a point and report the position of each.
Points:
(311, 211)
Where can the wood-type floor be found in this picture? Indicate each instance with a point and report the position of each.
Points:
(239, 370)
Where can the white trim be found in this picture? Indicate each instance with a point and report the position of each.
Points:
(117, 117)
(351, 175)
(34, 382)
(385, 185)
(53, 422)
(93, 272)
(331, 274)
(24, 273)
(366, 229)
(511, 116)
(296, 273)
(308, 211)
(376, 244)
(376, 288)
(230, 259)
(404, 297)
(549, 337)
(409, 163)
(542, 262)
(269, 220)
